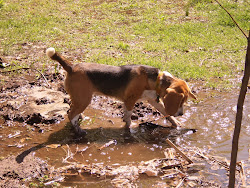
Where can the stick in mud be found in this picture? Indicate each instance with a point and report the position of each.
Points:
(178, 150)
(180, 183)
(107, 144)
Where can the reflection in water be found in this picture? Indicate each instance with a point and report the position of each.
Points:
(214, 118)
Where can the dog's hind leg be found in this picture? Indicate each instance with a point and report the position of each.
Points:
(127, 120)
(75, 111)
(75, 123)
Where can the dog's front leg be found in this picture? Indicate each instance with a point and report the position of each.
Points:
(151, 97)
(130, 127)
(127, 118)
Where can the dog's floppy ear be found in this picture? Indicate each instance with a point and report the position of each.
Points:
(192, 95)
(172, 101)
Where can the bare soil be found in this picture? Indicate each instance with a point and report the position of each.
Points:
(29, 106)
(13, 174)
(37, 138)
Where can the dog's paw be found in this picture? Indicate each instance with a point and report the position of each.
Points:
(79, 131)
(127, 134)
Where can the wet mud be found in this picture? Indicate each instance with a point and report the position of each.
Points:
(13, 174)
(33, 123)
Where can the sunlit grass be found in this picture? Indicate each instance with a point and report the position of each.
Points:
(191, 39)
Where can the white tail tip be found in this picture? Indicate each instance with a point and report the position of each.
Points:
(50, 52)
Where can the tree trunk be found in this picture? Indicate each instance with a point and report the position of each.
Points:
(238, 119)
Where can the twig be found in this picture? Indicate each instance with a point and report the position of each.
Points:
(179, 151)
(232, 19)
(55, 180)
(43, 77)
(69, 154)
(242, 174)
(107, 144)
(201, 155)
(175, 123)
(81, 150)
(22, 68)
(181, 182)
(26, 68)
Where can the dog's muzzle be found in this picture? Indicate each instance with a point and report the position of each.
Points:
(180, 112)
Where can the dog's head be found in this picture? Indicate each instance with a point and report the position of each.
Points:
(175, 95)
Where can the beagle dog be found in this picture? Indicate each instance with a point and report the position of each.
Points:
(127, 83)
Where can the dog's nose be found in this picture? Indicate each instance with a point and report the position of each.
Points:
(179, 112)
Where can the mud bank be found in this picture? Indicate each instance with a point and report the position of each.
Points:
(34, 124)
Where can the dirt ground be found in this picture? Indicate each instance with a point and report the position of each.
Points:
(13, 174)
(36, 137)
(27, 101)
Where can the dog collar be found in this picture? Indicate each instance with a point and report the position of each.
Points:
(157, 85)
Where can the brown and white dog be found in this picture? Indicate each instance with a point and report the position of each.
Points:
(127, 83)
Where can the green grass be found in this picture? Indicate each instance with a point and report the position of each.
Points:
(204, 45)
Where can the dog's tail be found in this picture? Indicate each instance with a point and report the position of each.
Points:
(67, 65)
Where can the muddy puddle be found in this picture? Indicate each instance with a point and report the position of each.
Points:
(214, 117)
(34, 123)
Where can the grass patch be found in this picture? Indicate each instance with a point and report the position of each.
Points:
(199, 42)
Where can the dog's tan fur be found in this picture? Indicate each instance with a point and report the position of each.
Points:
(127, 83)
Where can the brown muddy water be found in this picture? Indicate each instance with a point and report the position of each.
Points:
(207, 124)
